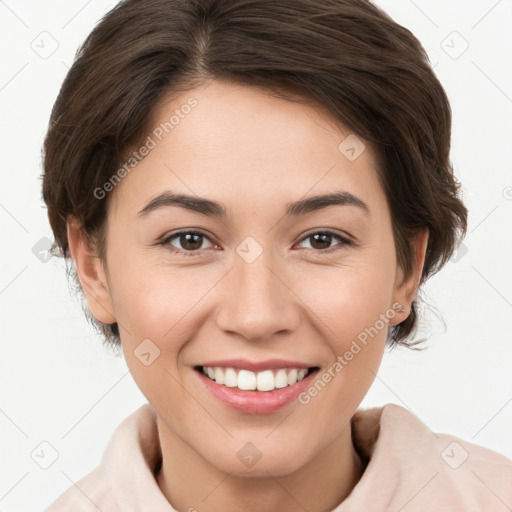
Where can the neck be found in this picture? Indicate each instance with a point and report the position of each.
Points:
(189, 482)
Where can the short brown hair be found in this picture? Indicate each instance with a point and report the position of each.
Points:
(349, 56)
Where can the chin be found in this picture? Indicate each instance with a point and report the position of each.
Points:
(258, 459)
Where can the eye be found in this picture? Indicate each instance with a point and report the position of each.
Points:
(189, 242)
(321, 240)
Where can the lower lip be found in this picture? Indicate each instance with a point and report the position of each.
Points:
(256, 402)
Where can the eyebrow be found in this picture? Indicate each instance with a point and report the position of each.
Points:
(214, 209)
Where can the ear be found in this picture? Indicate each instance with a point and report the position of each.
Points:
(91, 273)
(406, 289)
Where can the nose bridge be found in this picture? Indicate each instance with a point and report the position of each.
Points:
(256, 302)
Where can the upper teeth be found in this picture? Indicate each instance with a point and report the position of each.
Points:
(262, 381)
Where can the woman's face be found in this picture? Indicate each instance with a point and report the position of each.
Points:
(236, 265)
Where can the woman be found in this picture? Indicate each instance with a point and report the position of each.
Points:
(251, 193)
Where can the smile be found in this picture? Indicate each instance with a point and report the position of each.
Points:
(255, 388)
(247, 380)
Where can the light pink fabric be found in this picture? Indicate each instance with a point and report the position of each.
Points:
(411, 469)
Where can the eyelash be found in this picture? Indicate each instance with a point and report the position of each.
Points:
(166, 242)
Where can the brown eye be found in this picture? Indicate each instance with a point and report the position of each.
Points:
(322, 240)
(187, 241)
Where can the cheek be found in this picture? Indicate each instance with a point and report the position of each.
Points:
(150, 299)
(348, 299)
(164, 304)
(154, 311)
(354, 314)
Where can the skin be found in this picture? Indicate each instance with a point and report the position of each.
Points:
(299, 300)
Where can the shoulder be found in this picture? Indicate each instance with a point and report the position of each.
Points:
(476, 477)
(90, 494)
(434, 471)
(110, 485)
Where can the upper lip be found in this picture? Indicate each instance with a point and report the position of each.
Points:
(257, 366)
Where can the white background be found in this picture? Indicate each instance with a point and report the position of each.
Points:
(57, 383)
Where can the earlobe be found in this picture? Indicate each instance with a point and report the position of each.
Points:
(406, 289)
(91, 273)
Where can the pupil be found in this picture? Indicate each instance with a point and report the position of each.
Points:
(190, 243)
(326, 240)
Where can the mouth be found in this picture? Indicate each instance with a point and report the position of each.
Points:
(249, 391)
(247, 380)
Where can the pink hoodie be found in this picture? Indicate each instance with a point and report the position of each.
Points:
(410, 469)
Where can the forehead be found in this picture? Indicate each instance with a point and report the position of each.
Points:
(242, 142)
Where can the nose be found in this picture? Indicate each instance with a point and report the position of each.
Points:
(257, 301)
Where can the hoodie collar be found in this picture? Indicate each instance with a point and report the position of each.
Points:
(408, 467)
